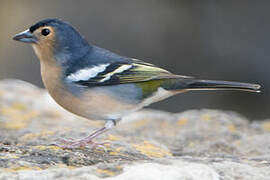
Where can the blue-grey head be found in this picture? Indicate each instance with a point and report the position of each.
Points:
(53, 37)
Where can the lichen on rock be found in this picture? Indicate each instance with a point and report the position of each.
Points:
(195, 144)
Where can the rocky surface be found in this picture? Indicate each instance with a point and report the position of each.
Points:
(196, 144)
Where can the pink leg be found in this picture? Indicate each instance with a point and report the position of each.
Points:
(88, 140)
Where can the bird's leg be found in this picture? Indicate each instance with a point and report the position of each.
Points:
(88, 140)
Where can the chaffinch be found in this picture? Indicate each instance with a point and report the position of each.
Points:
(98, 84)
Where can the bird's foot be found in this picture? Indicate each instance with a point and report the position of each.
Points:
(73, 144)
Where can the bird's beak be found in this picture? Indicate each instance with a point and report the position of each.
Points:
(26, 37)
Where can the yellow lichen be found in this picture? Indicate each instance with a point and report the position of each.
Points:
(151, 150)
(140, 123)
(206, 117)
(29, 115)
(9, 156)
(113, 153)
(182, 122)
(14, 108)
(106, 172)
(116, 151)
(113, 138)
(18, 116)
(231, 128)
(19, 106)
(13, 125)
(60, 165)
(55, 148)
(36, 135)
(266, 126)
(22, 168)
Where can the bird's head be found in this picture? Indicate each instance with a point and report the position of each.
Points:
(53, 37)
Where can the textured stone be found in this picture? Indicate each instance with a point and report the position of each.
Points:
(196, 144)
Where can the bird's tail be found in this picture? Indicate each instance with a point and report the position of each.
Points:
(197, 84)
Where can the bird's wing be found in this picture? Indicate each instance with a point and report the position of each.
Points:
(120, 73)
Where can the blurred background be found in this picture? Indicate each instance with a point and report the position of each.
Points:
(210, 39)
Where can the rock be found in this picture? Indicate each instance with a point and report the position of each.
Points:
(196, 144)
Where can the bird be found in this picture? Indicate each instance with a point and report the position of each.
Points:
(98, 84)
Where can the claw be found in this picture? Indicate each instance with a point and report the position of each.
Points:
(72, 143)
(67, 141)
(79, 144)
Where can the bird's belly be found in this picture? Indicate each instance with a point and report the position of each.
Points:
(101, 104)
(92, 105)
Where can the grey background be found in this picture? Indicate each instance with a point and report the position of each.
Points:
(217, 39)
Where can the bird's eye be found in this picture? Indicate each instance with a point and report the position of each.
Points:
(45, 32)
